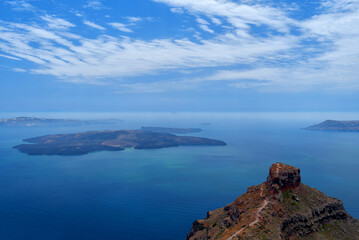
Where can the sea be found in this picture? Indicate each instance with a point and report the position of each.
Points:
(158, 193)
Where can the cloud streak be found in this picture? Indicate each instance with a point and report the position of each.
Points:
(320, 51)
(57, 23)
(121, 27)
(10, 57)
(94, 4)
(20, 5)
(94, 25)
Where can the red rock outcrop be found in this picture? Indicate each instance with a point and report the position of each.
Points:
(280, 208)
(282, 178)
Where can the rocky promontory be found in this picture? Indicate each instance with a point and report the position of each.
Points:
(280, 208)
(86, 142)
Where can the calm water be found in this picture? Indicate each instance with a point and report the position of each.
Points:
(157, 194)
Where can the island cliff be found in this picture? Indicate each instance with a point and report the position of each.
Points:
(280, 208)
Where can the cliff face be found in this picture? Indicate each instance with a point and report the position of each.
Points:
(280, 208)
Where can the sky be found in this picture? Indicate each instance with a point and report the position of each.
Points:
(179, 55)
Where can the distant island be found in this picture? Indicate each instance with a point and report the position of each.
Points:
(37, 122)
(170, 130)
(280, 208)
(332, 125)
(86, 142)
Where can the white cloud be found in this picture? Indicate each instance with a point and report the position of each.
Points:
(340, 5)
(134, 19)
(155, 87)
(202, 21)
(21, 5)
(177, 10)
(10, 57)
(118, 57)
(239, 15)
(57, 23)
(216, 21)
(206, 28)
(18, 70)
(120, 26)
(94, 4)
(203, 24)
(94, 25)
(324, 52)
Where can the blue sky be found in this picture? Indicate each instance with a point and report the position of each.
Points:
(179, 55)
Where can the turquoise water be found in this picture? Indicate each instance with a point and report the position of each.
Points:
(158, 193)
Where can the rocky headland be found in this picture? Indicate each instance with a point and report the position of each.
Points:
(86, 142)
(280, 208)
(333, 125)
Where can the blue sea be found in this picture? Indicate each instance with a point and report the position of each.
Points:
(158, 193)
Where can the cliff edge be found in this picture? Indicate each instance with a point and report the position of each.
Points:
(280, 208)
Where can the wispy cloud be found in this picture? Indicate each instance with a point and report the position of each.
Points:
(94, 25)
(156, 87)
(238, 15)
(134, 19)
(202, 21)
(94, 4)
(288, 54)
(131, 21)
(10, 57)
(120, 26)
(206, 28)
(216, 21)
(203, 24)
(109, 56)
(177, 10)
(18, 70)
(21, 5)
(57, 23)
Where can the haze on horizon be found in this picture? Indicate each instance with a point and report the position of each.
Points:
(179, 55)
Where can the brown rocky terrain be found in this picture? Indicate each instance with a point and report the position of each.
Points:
(280, 208)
